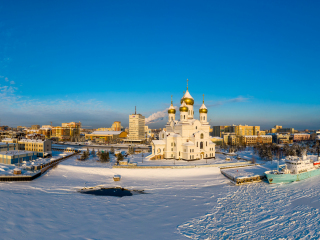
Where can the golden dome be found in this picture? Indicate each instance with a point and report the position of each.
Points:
(188, 101)
(171, 108)
(203, 110)
(172, 111)
(187, 98)
(184, 109)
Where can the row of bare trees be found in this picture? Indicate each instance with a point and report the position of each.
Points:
(272, 151)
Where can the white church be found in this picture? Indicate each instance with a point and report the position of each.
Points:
(186, 138)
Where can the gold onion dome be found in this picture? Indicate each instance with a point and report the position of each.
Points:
(183, 107)
(171, 108)
(187, 98)
(203, 108)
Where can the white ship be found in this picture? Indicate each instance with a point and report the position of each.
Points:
(295, 169)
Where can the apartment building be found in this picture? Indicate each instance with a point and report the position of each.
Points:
(41, 147)
(254, 139)
(297, 137)
(136, 127)
(67, 132)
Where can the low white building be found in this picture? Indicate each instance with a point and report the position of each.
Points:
(187, 138)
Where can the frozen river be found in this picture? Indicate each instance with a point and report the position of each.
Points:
(197, 203)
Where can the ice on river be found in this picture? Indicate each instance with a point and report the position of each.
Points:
(262, 211)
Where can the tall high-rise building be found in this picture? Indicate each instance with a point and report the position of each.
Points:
(136, 127)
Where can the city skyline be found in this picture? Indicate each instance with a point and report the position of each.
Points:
(256, 63)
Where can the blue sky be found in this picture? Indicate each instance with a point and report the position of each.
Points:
(257, 62)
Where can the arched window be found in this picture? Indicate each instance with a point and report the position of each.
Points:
(179, 154)
(201, 135)
(196, 127)
(184, 116)
(162, 135)
(206, 144)
(197, 144)
(201, 145)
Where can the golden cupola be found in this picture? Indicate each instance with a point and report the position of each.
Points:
(187, 98)
(184, 107)
(203, 108)
(171, 108)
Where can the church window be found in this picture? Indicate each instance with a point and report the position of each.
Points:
(204, 118)
(174, 144)
(190, 157)
(201, 136)
(171, 144)
(206, 144)
(179, 154)
(184, 116)
(196, 127)
(206, 155)
(197, 144)
(162, 135)
(201, 145)
(190, 150)
(172, 149)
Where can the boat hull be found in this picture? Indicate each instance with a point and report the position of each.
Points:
(287, 178)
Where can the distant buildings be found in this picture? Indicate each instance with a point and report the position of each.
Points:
(254, 139)
(232, 135)
(281, 138)
(279, 129)
(6, 146)
(67, 132)
(106, 136)
(297, 137)
(238, 130)
(35, 127)
(41, 147)
(148, 132)
(136, 128)
(116, 126)
(13, 157)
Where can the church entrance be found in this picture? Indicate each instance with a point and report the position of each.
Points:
(201, 155)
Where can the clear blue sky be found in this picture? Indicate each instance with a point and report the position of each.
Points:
(257, 62)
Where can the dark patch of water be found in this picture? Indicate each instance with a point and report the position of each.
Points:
(114, 192)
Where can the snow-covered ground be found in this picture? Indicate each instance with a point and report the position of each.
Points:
(196, 203)
(220, 159)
